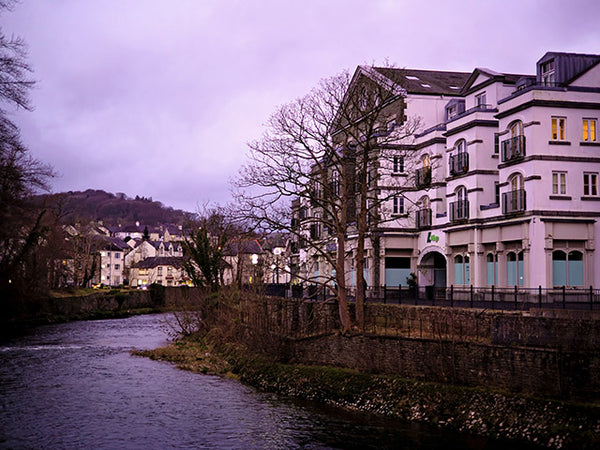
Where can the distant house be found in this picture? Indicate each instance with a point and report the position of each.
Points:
(172, 233)
(141, 250)
(112, 260)
(244, 262)
(164, 270)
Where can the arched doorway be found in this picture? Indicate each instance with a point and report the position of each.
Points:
(432, 270)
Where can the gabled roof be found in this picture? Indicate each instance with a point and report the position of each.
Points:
(152, 262)
(509, 78)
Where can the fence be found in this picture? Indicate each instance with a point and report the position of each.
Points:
(515, 298)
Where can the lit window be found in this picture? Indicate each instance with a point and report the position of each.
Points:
(398, 205)
(559, 125)
(590, 184)
(398, 164)
(589, 130)
(548, 75)
(559, 183)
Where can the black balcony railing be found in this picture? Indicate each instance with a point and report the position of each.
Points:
(459, 210)
(513, 148)
(513, 201)
(423, 177)
(459, 164)
(423, 217)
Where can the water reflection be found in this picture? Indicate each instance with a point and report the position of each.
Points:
(76, 385)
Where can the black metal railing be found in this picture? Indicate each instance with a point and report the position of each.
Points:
(459, 210)
(513, 298)
(459, 164)
(423, 218)
(423, 177)
(513, 201)
(513, 148)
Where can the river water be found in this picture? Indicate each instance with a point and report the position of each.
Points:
(76, 385)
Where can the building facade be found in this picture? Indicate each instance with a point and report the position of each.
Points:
(498, 185)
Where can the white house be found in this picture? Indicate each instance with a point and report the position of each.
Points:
(498, 186)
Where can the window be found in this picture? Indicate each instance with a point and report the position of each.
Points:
(496, 192)
(559, 125)
(451, 111)
(160, 269)
(398, 164)
(567, 268)
(169, 271)
(589, 130)
(398, 205)
(548, 76)
(590, 184)
(492, 269)
(108, 254)
(117, 255)
(559, 183)
(514, 269)
(461, 270)
(480, 100)
(364, 98)
(117, 266)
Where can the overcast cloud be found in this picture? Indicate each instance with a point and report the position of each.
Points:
(158, 98)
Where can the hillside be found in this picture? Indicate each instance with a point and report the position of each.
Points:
(112, 209)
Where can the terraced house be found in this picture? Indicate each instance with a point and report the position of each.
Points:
(497, 185)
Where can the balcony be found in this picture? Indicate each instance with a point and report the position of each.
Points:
(513, 148)
(459, 210)
(423, 218)
(513, 201)
(423, 177)
(459, 164)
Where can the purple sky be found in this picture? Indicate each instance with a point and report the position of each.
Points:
(158, 98)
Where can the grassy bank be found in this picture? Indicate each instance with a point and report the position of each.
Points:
(551, 424)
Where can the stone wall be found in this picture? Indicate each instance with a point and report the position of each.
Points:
(544, 372)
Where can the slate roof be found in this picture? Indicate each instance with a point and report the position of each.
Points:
(110, 243)
(247, 246)
(417, 81)
(151, 263)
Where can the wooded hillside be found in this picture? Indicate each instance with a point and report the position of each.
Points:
(112, 209)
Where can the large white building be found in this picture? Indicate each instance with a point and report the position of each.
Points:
(499, 186)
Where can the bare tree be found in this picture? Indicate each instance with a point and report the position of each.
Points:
(325, 152)
(21, 175)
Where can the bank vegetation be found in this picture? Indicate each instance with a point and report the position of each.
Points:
(274, 347)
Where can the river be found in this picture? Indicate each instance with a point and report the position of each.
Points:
(76, 385)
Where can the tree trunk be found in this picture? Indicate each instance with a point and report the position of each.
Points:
(340, 275)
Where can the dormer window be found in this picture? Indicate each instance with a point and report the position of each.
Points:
(548, 74)
(452, 111)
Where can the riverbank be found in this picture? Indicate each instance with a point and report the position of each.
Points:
(493, 414)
